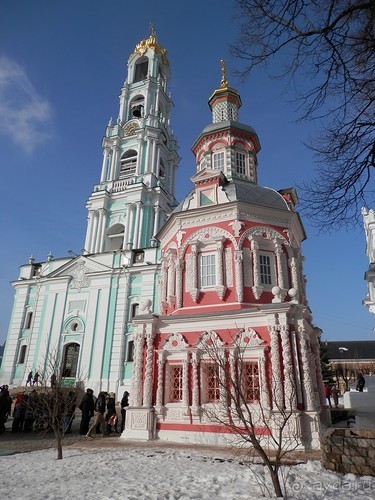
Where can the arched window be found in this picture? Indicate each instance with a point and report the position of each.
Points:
(162, 172)
(28, 320)
(128, 164)
(115, 237)
(70, 360)
(218, 157)
(22, 354)
(141, 68)
(137, 107)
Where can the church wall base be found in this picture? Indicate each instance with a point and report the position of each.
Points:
(139, 424)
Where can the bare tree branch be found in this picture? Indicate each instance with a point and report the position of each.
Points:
(327, 49)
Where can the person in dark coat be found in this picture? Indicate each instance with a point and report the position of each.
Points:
(5, 406)
(111, 416)
(87, 406)
(53, 380)
(360, 382)
(124, 405)
(100, 406)
(29, 378)
(36, 378)
(19, 413)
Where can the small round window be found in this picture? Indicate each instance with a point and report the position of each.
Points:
(74, 326)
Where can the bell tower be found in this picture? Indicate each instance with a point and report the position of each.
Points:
(136, 191)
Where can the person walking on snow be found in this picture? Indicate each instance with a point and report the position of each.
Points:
(99, 414)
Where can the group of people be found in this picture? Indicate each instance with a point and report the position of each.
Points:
(331, 392)
(32, 379)
(38, 411)
(334, 393)
(46, 411)
(103, 409)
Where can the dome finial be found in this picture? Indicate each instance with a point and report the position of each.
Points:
(224, 82)
(152, 28)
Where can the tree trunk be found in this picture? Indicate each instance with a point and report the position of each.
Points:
(59, 444)
(276, 483)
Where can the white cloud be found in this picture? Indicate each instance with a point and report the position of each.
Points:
(24, 115)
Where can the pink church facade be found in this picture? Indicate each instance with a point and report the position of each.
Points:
(232, 275)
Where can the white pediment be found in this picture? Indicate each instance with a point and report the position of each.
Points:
(78, 266)
(207, 174)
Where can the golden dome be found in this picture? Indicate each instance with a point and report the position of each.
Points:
(151, 43)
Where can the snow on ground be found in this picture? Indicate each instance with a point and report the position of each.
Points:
(161, 473)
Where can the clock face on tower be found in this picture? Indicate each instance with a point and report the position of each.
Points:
(131, 128)
(139, 256)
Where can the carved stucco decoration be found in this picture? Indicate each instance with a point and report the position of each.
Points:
(248, 338)
(236, 226)
(268, 234)
(175, 341)
(208, 339)
(228, 267)
(208, 235)
(80, 280)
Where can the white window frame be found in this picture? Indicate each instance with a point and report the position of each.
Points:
(218, 160)
(270, 273)
(240, 160)
(209, 278)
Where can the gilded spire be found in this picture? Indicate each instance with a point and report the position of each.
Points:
(151, 43)
(224, 81)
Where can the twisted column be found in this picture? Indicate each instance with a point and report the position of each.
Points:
(147, 387)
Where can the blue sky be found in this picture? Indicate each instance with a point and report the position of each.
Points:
(62, 64)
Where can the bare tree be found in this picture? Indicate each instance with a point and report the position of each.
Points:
(327, 50)
(52, 405)
(345, 374)
(258, 423)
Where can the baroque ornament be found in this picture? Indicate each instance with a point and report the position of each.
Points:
(80, 279)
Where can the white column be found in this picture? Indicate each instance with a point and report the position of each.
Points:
(308, 387)
(130, 226)
(185, 382)
(195, 392)
(178, 290)
(147, 388)
(289, 379)
(160, 387)
(153, 158)
(136, 387)
(148, 166)
(103, 176)
(140, 228)
(115, 151)
(158, 162)
(94, 233)
(238, 268)
(171, 279)
(257, 288)
(126, 229)
(194, 291)
(99, 238)
(264, 393)
(140, 155)
(156, 220)
(277, 388)
(164, 284)
(89, 232)
(280, 276)
(294, 273)
(136, 226)
(220, 270)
